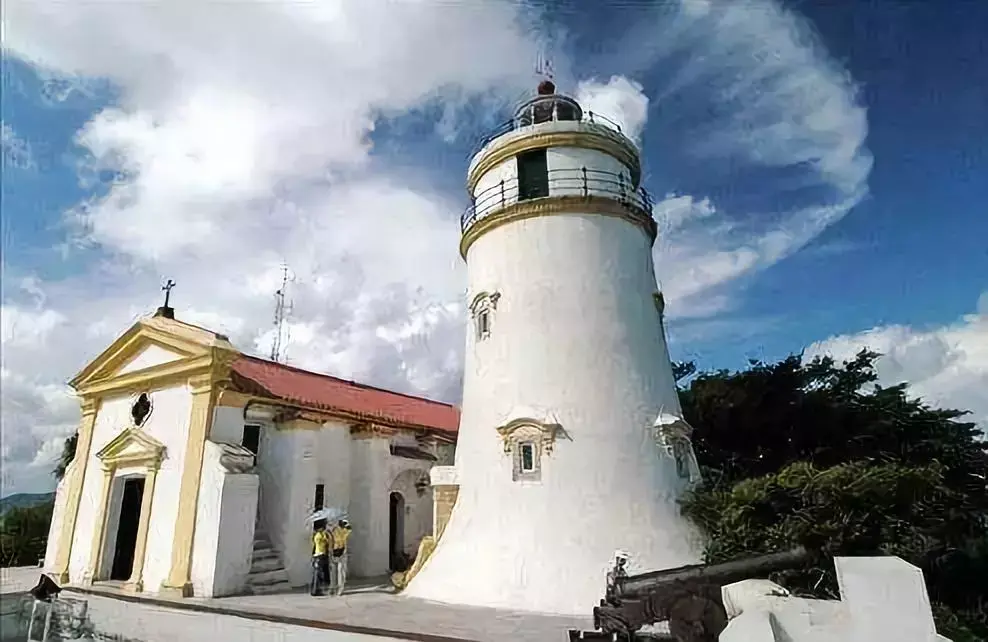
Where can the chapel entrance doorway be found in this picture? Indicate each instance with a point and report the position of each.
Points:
(396, 540)
(126, 539)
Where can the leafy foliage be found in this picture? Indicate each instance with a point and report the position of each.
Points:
(814, 454)
(24, 534)
(68, 454)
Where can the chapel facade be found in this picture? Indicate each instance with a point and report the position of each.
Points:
(197, 467)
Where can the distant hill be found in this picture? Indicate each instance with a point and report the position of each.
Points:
(24, 500)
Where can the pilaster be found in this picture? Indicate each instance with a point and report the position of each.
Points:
(96, 551)
(136, 582)
(204, 393)
(73, 489)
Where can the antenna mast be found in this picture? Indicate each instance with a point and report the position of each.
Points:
(282, 310)
(543, 67)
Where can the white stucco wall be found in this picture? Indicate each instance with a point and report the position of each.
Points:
(417, 518)
(55, 529)
(168, 423)
(369, 481)
(224, 536)
(228, 425)
(151, 355)
(236, 528)
(575, 340)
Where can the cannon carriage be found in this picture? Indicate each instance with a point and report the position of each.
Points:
(687, 597)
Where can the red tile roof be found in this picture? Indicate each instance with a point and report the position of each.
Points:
(319, 391)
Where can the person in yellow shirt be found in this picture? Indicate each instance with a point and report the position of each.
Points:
(338, 537)
(320, 560)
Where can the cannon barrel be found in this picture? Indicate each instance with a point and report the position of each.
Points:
(634, 586)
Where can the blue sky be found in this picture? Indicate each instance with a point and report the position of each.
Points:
(123, 153)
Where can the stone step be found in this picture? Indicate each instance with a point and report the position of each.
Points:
(264, 554)
(267, 577)
(261, 542)
(268, 589)
(267, 563)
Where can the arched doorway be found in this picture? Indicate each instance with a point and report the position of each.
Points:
(396, 537)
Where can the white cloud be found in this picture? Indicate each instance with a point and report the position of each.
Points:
(620, 100)
(16, 151)
(945, 366)
(778, 102)
(242, 138)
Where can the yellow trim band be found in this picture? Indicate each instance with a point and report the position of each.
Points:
(553, 205)
(73, 489)
(598, 139)
(179, 581)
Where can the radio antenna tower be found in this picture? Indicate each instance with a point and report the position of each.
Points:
(543, 67)
(282, 310)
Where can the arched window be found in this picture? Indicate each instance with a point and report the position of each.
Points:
(482, 310)
(527, 441)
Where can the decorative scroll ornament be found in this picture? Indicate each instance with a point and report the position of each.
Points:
(672, 434)
(518, 430)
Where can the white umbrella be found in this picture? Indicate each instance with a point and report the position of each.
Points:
(329, 514)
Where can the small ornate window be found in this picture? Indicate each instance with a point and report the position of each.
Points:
(482, 309)
(526, 456)
(672, 434)
(141, 409)
(526, 441)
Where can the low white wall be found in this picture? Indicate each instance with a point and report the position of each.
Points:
(224, 536)
(152, 623)
(883, 599)
(57, 518)
(237, 515)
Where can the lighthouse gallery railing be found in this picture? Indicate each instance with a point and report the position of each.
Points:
(545, 109)
(561, 182)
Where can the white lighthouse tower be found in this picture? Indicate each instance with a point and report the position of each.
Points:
(571, 444)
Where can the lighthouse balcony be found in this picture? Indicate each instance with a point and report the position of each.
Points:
(573, 185)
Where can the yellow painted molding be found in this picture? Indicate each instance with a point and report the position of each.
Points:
(426, 547)
(132, 447)
(184, 340)
(158, 376)
(96, 547)
(76, 473)
(372, 431)
(555, 205)
(136, 582)
(544, 434)
(595, 137)
(233, 399)
(178, 582)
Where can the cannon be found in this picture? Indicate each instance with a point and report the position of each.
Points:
(687, 597)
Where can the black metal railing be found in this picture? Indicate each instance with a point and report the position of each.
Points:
(545, 109)
(582, 182)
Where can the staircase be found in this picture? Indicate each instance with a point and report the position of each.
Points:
(267, 573)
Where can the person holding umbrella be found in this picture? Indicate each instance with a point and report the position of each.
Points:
(320, 559)
(339, 537)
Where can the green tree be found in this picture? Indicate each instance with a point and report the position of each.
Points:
(24, 534)
(68, 454)
(811, 453)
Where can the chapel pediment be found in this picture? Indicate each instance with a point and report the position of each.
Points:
(132, 447)
(151, 345)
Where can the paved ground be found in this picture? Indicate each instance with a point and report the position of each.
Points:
(372, 608)
(368, 607)
(18, 580)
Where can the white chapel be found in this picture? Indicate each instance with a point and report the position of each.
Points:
(197, 467)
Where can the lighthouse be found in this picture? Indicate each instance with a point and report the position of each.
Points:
(571, 443)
